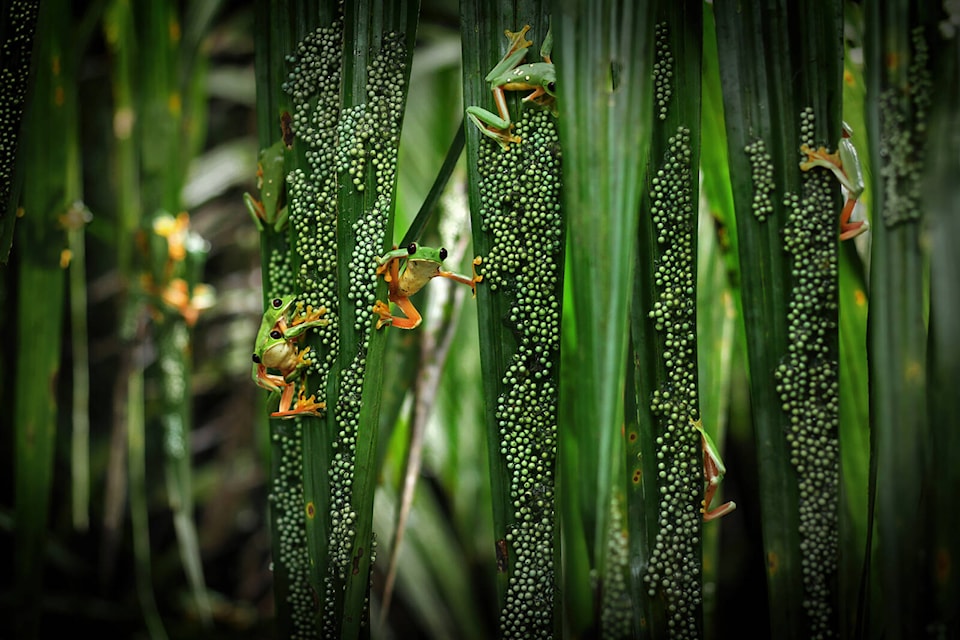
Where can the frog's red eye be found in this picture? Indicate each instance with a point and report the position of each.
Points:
(276, 335)
(552, 87)
(277, 303)
(256, 358)
(443, 254)
(412, 249)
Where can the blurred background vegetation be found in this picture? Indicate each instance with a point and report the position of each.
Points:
(137, 449)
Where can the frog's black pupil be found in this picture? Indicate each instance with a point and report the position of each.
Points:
(277, 303)
(275, 334)
(551, 86)
(443, 254)
(412, 249)
(256, 358)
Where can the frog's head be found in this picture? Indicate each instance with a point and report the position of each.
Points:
(426, 254)
(277, 308)
(549, 80)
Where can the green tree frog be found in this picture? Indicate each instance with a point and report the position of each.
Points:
(713, 472)
(420, 266)
(845, 165)
(276, 349)
(270, 176)
(538, 77)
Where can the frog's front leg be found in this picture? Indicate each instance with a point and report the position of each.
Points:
(301, 363)
(389, 263)
(390, 270)
(471, 282)
(300, 323)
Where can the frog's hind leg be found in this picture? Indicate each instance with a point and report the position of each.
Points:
(305, 406)
(849, 229)
(411, 321)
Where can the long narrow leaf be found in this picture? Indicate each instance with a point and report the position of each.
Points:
(773, 102)
(942, 194)
(518, 225)
(47, 194)
(898, 75)
(603, 75)
(665, 522)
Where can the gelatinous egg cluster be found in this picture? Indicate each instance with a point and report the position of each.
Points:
(286, 508)
(807, 379)
(520, 209)
(370, 139)
(367, 138)
(761, 171)
(314, 88)
(673, 572)
(662, 70)
(15, 70)
(903, 129)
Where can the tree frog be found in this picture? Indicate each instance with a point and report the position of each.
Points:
(421, 264)
(845, 164)
(270, 177)
(540, 77)
(276, 349)
(713, 472)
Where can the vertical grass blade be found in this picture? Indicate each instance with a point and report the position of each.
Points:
(942, 193)
(175, 257)
(898, 75)
(139, 507)
(386, 37)
(604, 61)
(75, 220)
(518, 229)
(663, 462)
(282, 25)
(855, 433)
(780, 67)
(47, 193)
(355, 112)
(119, 35)
(173, 264)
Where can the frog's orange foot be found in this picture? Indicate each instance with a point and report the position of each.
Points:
(308, 407)
(719, 512)
(517, 39)
(302, 360)
(304, 406)
(309, 315)
(382, 309)
(818, 158)
(504, 136)
(476, 277)
(853, 229)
